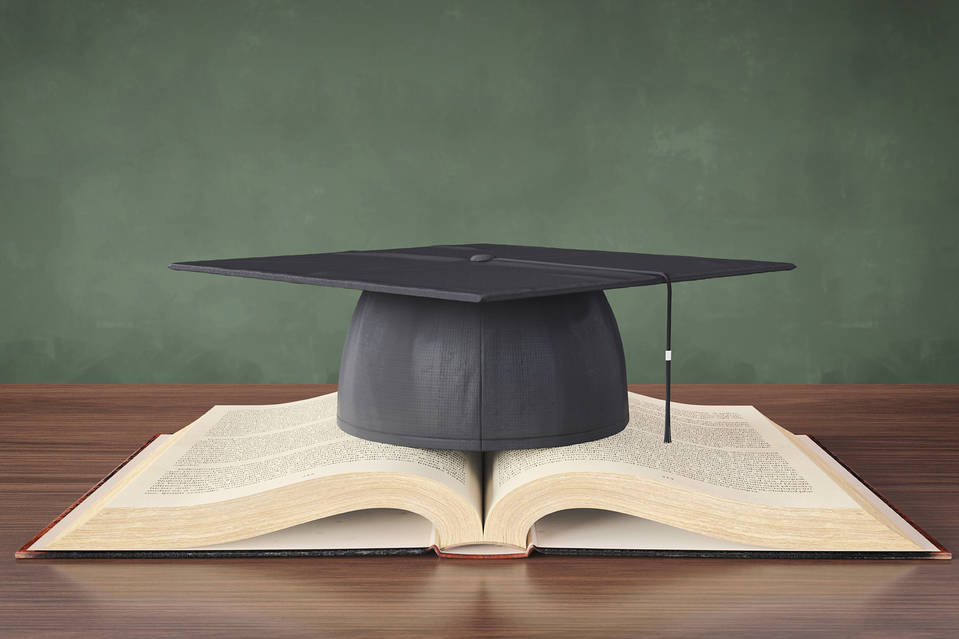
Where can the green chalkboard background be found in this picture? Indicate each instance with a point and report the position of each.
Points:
(133, 134)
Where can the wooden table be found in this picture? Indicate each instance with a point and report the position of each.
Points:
(55, 441)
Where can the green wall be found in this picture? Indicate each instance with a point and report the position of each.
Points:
(133, 134)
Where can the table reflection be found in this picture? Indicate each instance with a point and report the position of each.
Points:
(427, 594)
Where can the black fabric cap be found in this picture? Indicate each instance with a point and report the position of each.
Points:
(426, 364)
(480, 272)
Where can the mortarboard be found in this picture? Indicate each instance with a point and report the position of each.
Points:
(484, 346)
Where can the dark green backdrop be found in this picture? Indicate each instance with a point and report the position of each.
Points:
(133, 134)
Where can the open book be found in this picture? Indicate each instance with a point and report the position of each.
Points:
(284, 479)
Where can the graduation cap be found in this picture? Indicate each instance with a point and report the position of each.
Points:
(484, 346)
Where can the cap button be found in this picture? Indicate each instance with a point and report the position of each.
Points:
(480, 257)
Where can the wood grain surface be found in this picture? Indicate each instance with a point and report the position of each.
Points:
(55, 441)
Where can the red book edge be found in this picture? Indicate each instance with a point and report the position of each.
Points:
(519, 554)
(23, 553)
(941, 554)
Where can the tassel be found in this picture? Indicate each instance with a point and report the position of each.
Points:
(667, 434)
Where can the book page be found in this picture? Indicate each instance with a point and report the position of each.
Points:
(236, 451)
(82, 509)
(732, 452)
(583, 528)
(601, 529)
(363, 529)
(374, 528)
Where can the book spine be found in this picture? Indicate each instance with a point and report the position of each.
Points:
(519, 554)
